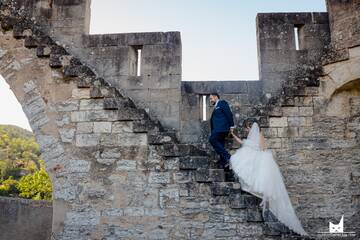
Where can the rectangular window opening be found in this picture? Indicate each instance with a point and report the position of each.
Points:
(204, 107)
(138, 61)
(296, 33)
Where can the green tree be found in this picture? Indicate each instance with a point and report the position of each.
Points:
(8, 187)
(22, 173)
(36, 186)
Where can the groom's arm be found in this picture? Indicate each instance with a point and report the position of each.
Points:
(228, 113)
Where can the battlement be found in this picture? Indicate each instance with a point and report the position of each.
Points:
(288, 44)
(104, 108)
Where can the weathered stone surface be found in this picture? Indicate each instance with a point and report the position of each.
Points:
(124, 139)
(102, 127)
(193, 162)
(224, 189)
(210, 175)
(87, 140)
(169, 197)
(243, 201)
(67, 135)
(117, 168)
(159, 177)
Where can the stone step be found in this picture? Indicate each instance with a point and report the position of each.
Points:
(193, 162)
(269, 216)
(178, 150)
(209, 175)
(111, 103)
(241, 200)
(43, 51)
(157, 138)
(30, 42)
(275, 229)
(146, 125)
(230, 176)
(77, 70)
(85, 81)
(225, 188)
(19, 30)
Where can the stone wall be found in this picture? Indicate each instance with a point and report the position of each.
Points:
(241, 95)
(157, 87)
(279, 60)
(23, 217)
(344, 23)
(119, 173)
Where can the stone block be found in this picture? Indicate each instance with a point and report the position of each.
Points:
(210, 175)
(91, 104)
(87, 140)
(299, 121)
(78, 166)
(161, 137)
(67, 134)
(124, 139)
(43, 51)
(169, 197)
(275, 229)
(134, 211)
(238, 200)
(306, 111)
(126, 165)
(193, 162)
(102, 127)
(290, 111)
(278, 122)
(123, 126)
(81, 93)
(84, 127)
(112, 212)
(254, 215)
(159, 177)
(224, 188)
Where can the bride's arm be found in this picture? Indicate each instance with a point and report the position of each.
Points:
(262, 142)
(237, 138)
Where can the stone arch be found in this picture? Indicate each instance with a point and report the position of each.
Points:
(36, 87)
(341, 75)
(91, 149)
(340, 85)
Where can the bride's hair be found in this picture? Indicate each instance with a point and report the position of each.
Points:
(250, 121)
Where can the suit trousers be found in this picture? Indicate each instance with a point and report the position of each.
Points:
(217, 140)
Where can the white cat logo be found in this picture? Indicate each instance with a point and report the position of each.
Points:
(337, 228)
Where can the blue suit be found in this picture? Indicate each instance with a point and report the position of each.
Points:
(220, 122)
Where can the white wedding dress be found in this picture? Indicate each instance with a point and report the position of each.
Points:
(260, 175)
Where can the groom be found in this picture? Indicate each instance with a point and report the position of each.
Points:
(221, 123)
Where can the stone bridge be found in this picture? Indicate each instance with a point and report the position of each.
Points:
(124, 139)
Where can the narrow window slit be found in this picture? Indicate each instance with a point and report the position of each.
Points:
(138, 61)
(204, 107)
(296, 32)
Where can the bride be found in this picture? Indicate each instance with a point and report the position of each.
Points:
(260, 175)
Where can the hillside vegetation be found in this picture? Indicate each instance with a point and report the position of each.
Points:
(22, 172)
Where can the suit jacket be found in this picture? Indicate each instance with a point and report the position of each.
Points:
(221, 118)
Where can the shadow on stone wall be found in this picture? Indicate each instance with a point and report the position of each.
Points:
(25, 219)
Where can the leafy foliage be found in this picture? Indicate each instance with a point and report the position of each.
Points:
(36, 186)
(22, 173)
(8, 187)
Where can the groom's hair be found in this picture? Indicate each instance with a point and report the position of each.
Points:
(215, 94)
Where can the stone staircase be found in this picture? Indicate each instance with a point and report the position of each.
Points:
(228, 203)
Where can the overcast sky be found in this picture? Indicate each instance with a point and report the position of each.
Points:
(218, 37)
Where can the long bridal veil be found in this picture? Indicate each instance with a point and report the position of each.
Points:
(260, 175)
